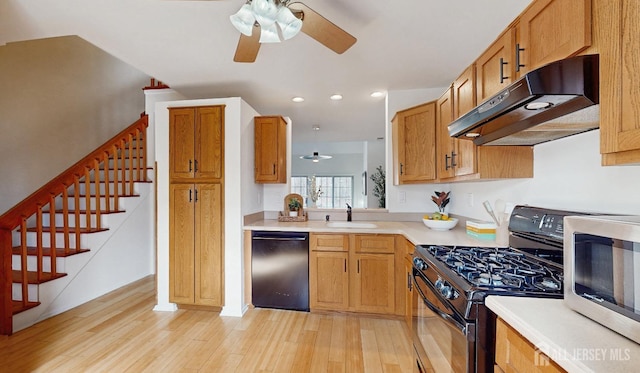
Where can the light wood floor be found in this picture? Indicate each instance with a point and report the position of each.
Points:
(119, 332)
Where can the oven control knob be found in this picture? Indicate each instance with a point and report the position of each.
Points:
(447, 292)
(419, 264)
(439, 284)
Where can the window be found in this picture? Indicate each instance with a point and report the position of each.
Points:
(337, 191)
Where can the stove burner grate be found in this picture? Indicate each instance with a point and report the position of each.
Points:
(495, 268)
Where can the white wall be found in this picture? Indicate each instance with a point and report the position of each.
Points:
(567, 176)
(408, 198)
(60, 99)
(236, 153)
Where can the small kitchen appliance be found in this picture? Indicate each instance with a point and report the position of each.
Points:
(602, 266)
(453, 330)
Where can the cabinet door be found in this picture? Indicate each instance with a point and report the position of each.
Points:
(415, 145)
(620, 83)
(551, 30)
(446, 144)
(209, 140)
(208, 245)
(464, 100)
(494, 66)
(373, 283)
(328, 280)
(181, 243)
(181, 143)
(270, 150)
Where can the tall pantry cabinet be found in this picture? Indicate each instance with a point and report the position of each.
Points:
(196, 190)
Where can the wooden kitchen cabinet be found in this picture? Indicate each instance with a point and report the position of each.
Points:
(329, 271)
(373, 273)
(550, 30)
(195, 244)
(414, 144)
(353, 272)
(516, 354)
(494, 68)
(446, 147)
(619, 81)
(196, 145)
(464, 100)
(270, 149)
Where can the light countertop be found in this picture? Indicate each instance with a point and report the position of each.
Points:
(575, 342)
(416, 232)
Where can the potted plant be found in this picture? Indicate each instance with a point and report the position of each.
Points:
(441, 199)
(294, 206)
(379, 185)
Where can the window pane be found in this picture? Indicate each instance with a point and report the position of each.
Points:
(299, 185)
(326, 184)
(343, 191)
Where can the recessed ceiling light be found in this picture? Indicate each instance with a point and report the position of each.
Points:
(377, 94)
(297, 99)
(336, 97)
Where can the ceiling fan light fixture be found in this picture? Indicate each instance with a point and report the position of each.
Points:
(243, 20)
(265, 11)
(290, 25)
(316, 157)
(269, 34)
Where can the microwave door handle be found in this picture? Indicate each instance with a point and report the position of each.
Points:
(461, 328)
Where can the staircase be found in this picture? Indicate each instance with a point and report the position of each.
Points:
(49, 242)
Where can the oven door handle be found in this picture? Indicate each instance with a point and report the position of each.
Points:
(459, 326)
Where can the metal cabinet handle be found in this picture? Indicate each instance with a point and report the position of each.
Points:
(518, 50)
(190, 165)
(446, 162)
(401, 169)
(190, 196)
(345, 265)
(274, 168)
(453, 160)
(502, 77)
(358, 265)
(196, 199)
(195, 163)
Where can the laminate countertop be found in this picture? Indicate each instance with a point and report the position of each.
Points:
(416, 232)
(573, 341)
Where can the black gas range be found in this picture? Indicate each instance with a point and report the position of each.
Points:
(453, 330)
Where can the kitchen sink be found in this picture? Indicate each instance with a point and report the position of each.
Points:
(350, 224)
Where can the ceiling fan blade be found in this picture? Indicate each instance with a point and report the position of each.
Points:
(323, 30)
(248, 46)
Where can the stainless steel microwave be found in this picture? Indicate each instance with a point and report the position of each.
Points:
(602, 270)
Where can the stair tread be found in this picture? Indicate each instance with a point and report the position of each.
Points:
(18, 307)
(32, 277)
(46, 251)
(71, 230)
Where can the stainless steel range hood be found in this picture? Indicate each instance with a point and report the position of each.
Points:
(554, 101)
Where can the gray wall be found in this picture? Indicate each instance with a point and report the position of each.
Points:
(60, 98)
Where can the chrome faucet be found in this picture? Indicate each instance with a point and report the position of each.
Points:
(348, 212)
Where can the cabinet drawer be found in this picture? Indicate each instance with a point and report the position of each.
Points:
(328, 242)
(370, 243)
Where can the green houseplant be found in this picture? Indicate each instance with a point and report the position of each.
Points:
(379, 179)
(294, 206)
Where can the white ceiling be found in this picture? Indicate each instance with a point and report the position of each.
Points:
(402, 44)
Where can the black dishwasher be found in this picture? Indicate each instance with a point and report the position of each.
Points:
(280, 270)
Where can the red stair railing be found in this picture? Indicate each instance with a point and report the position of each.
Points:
(124, 152)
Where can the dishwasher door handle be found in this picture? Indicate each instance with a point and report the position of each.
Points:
(280, 238)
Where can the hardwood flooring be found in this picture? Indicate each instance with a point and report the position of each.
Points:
(119, 332)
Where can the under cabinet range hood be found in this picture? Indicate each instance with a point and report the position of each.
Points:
(557, 100)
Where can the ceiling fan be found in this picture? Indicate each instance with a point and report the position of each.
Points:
(268, 21)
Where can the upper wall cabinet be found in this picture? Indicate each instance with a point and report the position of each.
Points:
(619, 34)
(270, 150)
(547, 31)
(494, 66)
(414, 144)
(196, 148)
(550, 30)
